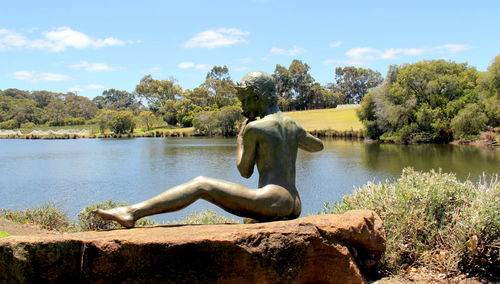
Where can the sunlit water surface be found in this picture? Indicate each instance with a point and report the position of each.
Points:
(75, 173)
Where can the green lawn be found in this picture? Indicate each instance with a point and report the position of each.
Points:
(4, 234)
(320, 119)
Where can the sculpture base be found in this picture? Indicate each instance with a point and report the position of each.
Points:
(323, 248)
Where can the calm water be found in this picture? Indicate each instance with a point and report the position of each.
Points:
(76, 173)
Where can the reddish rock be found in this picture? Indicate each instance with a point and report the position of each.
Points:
(314, 249)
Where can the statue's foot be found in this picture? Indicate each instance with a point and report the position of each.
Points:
(121, 215)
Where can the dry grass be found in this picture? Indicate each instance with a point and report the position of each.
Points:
(321, 119)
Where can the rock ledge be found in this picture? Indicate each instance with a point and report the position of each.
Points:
(323, 248)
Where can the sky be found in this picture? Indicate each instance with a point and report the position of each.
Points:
(90, 46)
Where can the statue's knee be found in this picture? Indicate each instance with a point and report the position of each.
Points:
(200, 182)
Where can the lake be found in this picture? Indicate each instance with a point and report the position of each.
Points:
(75, 173)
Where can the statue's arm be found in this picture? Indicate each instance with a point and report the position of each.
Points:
(245, 151)
(308, 142)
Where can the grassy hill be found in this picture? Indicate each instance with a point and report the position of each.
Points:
(340, 119)
(326, 122)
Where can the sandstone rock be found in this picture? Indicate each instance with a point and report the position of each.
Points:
(314, 249)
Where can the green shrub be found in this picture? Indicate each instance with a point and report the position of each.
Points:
(434, 222)
(9, 124)
(49, 216)
(28, 125)
(122, 122)
(469, 121)
(89, 221)
(4, 234)
(74, 121)
(206, 217)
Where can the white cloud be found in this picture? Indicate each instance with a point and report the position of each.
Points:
(94, 67)
(335, 44)
(361, 55)
(217, 38)
(75, 90)
(453, 48)
(32, 76)
(294, 51)
(245, 60)
(79, 89)
(58, 39)
(94, 86)
(343, 62)
(187, 65)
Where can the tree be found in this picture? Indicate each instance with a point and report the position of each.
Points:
(157, 92)
(198, 96)
(122, 122)
(222, 91)
(56, 111)
(186, 111)
(228, 118)
(419, 102)
(283, 88)
(169, 112)
(302, 83)
(354, 82)
(324, 98)
(104, 117)
(116, 99)
(294, 86)
(206, 122)
(147, 118)
(469, 121)
(223, 121)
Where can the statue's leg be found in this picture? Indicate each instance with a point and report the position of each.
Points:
(268, 202)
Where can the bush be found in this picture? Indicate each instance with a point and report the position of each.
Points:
(469, 121)
(49, 216)
(74, 121)
(89, 221)
(434, 222)
(122, 122)
(8, 124)
(206, 217)
(28, 125)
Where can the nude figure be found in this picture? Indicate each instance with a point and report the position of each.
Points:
(270, 142)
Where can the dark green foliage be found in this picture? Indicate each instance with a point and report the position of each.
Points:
(122, 122)
(355, 82)
(420, 101)
(469, 121)
(220, 86)
(116, 99)
(223, 121)
(157, 92)
(9, 124)
(43, 107)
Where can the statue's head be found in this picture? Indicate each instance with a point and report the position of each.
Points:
(258, 85)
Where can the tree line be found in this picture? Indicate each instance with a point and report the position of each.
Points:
(212, 107)
(428, 101)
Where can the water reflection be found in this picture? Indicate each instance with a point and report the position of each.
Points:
(465, 161)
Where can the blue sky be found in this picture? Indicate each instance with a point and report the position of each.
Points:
(89, 46)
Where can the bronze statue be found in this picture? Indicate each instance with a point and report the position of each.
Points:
(270, 142)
